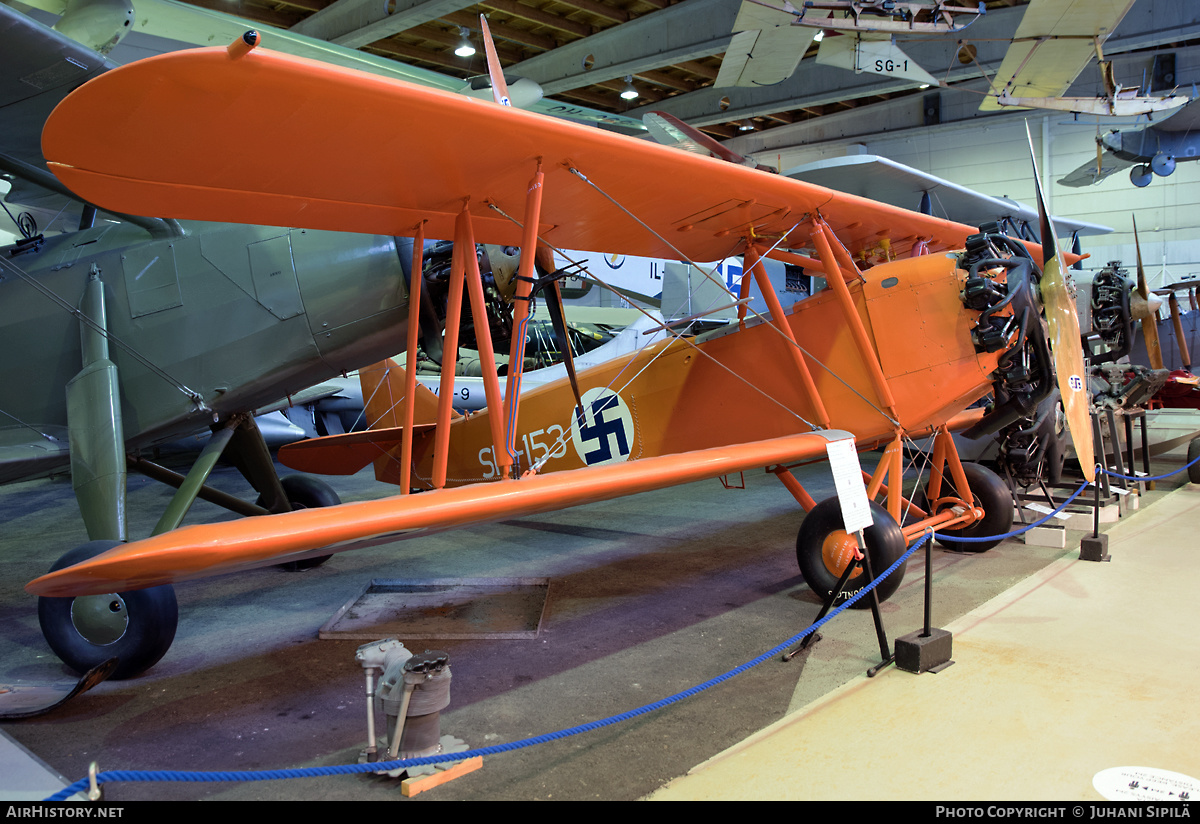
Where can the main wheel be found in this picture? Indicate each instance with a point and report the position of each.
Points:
(306, 492)
(1192, 454)
(136, 626)
(991, 494)
(824, 548)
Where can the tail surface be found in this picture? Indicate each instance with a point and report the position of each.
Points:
(383, 386)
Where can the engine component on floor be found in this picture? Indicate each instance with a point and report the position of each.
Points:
(411, 692)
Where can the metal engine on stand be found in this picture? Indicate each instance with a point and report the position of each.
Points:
(405, 696)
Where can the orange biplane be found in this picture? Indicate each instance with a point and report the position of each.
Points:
(921, 318)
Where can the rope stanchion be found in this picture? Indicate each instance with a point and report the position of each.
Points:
(1183, 468)
(381, 766)
(387, 766)
(1027, 527)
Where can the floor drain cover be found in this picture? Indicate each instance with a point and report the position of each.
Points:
(504, 608)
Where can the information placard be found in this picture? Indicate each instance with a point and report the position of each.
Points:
(848, 480)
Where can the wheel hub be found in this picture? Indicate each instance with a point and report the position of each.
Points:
(838, 550)
(100, 619)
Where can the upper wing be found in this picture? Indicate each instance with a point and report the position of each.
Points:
(1087, 174)
(886, 180)
(271, 139)
(1053, 44)
(41, 67)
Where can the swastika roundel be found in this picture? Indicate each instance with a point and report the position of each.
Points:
(605, 434)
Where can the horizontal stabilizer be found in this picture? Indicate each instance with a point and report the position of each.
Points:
(343, 454)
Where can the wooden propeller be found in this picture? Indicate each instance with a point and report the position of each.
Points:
(1144, 307)
(499, 86)
(1058, 299)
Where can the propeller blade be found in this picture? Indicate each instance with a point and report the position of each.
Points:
(1144, 307)
(499, 86)
(1058, 298)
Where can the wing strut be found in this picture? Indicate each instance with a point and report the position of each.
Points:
(755, 265)
(831, 256)
(415, 278)
(525, 281)
(464, 271)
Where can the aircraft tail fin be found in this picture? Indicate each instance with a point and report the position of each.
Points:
(383, 397)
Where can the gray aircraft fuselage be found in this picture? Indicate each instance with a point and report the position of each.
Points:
(1141, 145)
(240, 315)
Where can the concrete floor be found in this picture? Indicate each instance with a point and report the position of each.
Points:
(649, 596)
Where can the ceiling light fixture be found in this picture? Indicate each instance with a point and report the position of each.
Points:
(746, 125)
(465, 49)
(629, 92)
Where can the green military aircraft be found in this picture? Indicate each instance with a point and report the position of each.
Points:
(131, 331)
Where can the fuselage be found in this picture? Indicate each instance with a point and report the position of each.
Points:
(241, 316)
(741, 385)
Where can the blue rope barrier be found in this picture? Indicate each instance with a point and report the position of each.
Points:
(387, 766)
(1187, 465)
(1074, 495)
(1026, 527)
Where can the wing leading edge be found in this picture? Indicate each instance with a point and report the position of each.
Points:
(378, 172)
(212, 549)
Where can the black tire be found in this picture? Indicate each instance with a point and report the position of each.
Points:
(136, 627)
(823, 527)
(1192, 454)
(989, 492)
(306, 492)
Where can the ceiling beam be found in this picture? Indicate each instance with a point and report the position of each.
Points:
(541, 18)
(601, 10)
(503, 31)
(685, 31)
(355, 23)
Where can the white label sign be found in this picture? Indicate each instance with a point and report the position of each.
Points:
(1145, 784)
(848, 480)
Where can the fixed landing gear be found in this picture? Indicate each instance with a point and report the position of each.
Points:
(991, 494)
(824, 549)
(137, 627)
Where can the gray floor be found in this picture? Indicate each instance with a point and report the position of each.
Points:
(649, 596)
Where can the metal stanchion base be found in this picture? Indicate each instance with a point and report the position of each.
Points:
(918, 652)
(1094, 548)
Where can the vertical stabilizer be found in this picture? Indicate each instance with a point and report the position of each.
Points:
(383, 397)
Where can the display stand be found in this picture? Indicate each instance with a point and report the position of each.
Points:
(862, 558)
(929, 649)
